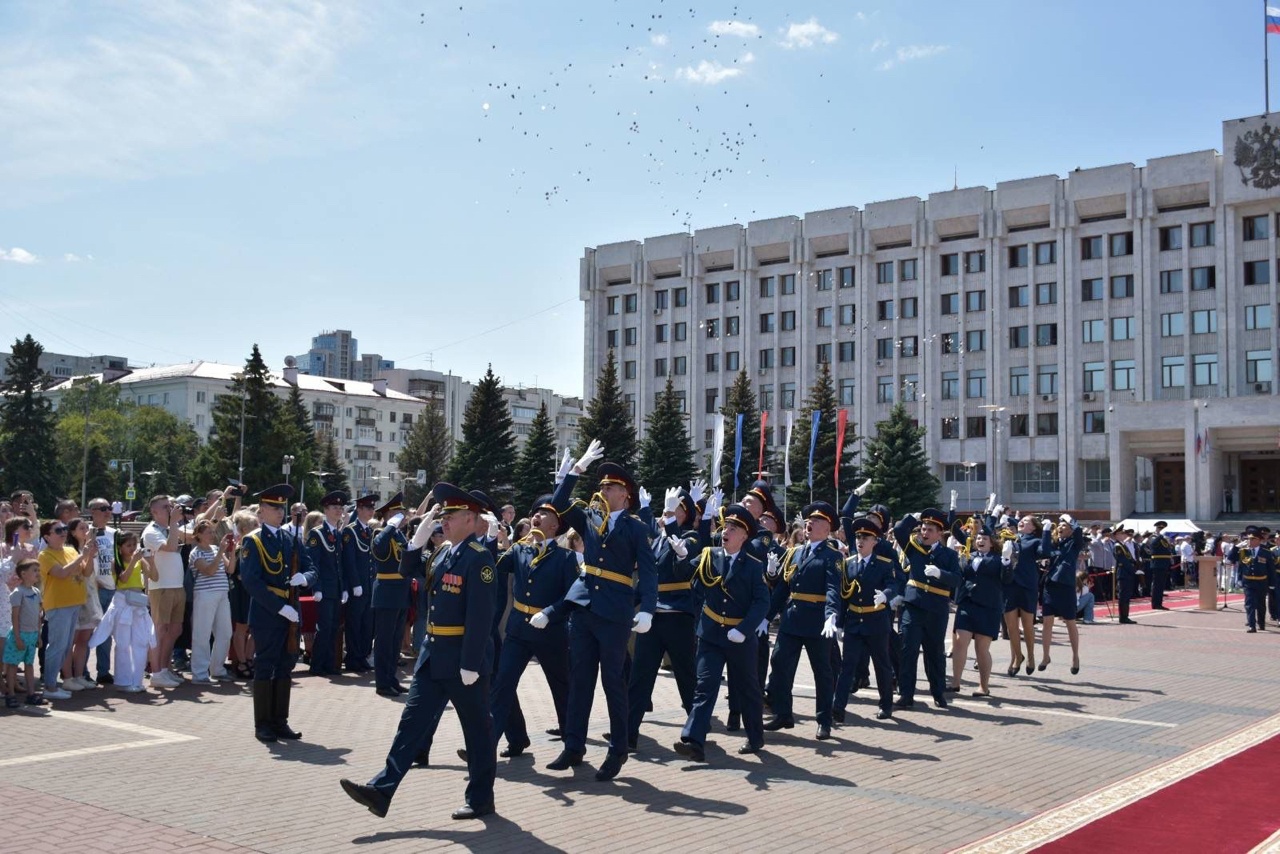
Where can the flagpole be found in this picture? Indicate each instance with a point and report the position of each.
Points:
(1266, 57)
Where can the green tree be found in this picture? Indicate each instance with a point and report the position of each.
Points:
(897, 466)
(666, 459)
(608, 418)
(485, 458)
(28, 450)
(302, 437)
(89, 415)
(160, 442)
(537, 462)
(427, 448)
(821, 399)
(335, 477)
(741, 400)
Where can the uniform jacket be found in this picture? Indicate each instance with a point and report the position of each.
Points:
(1259, 569)
(462, 584)
(324, 548)
(357, 562)
(1126, 567)
(738, 596)
(882, 572)
(807, 589)
(675, 586)
(1161, 551)
(265, 565)
(1028, 550)
(982, 580)
(1064, 556)
(391, 590)
(937, 600)
(541, 575)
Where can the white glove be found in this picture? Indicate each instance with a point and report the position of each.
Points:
(671, 500)
(895, 602)
(763, 629)
(713, 503)
(880, 598)
(829, 627)
(357, 591)
(1048, 525)
(862, 488)
(697, 489)
(468, 677)
(345, 597)
(642, 622)
(991, 502)
(998, 510)
(1066, 517)
(645, 497)
(581, 557)
(289, 612)
(423, 533)
(297, 580)
(1006, 553)
(539, 620)
(678, 546)
(317, 596)
(566, 465)
(493, 524)
(593, 452)
(394, 521)
(954, 496)
(735, 636)
(771, 566)
(932, 571)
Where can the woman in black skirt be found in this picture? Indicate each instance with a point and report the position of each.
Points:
(1060, 589)
(979, 610)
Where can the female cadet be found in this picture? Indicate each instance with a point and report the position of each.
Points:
(1060, 589)
(978, 610)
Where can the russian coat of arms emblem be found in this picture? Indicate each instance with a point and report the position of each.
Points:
(1257, 156)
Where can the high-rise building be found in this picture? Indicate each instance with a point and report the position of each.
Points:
(1103, 341)
(332, 354)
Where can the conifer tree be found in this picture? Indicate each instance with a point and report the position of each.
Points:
(485, 458)
(822, 399)
(741, 400)
(427, 448)
(608, 418)
(666, 458)
(28, 450)
(335, 477)
(268, 436)
(899, 470)
(537, 462)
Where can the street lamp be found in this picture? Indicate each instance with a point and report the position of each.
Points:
(287, 466)
(302, 494)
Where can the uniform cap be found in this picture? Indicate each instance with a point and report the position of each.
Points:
(934, 515)
(396, 503)
(277, 495)
(486, 502)
(334, 498)
(452, 498)
(614, 473)
(736, 514)
(820, 510)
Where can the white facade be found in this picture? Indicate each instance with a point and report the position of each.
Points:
(564, 413)
(1034, 329)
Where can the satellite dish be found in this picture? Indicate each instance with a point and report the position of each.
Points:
(290, 362)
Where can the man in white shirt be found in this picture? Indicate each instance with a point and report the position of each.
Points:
(161, 542)
(104, 572)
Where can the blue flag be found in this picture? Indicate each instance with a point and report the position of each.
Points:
(813, 443)
(737, 451)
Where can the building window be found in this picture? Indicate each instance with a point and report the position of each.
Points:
(1204, 369)
(712, 400)
(660, 299)
(975, 340)
(884, 389)
(788, 321)
(1018, 256)
(680, 331)
(1034, 478)
(787, 284)
(1047, 424)
(1122, 244)
(713, 292)
(766, 286)
(766, 396)
(950, 427)
(1091, 290)
(908, 307)
(1257, 272)
(611, 305)
(1201, 234)
(680, 297)
(1097, 475)
(1122, 329)
(660, 333)
(823, 354)
(975, 384)
(629, 303)
(951, 303)
(766, 322)
(713, 363)
(1019, 381)
(949, 265)
(1257, 366)
(975, 426)
(947, 342)
(629, 370)
(1204, 322)
(788, 395)
(1170, 238)
(659, 367)
(1203, 278)
(910, 387)
(1090, 248)
(713, 327)
(884, 273)
(950, 385)
(975, 301)
(823, 279)
(766, 359)
(1019, 425)
(611, 339)
(1173, 372)
(1257, 317)
(848, 314)
(1046, 334)
(884, 348)
(732, 325)
(732, 291)
(1095, 376)
(1092, 331)
(1123, 374)
(1046, 253)
(788, 357)
(1257, 227)
(847, 393)
(846, 351)
(1047, 379)
(1047, 293)
(907, 270)
(680, 365)
(1121, 287)
(629, 336)
(846, 277)
(975, 262)
(909, 346)
(1171, 324)
(884, 309)
(1019, 296)
(824, 316)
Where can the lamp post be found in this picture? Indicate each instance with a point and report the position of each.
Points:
(287, 466)
(244, 395)
(994, 454)
(302, 493)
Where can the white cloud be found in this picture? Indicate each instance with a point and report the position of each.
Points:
(913, 52)
(879, 44)
(734, 28)
(708, 73)
(808, 34)
(658, 39)
(71, 258)
(18, 255)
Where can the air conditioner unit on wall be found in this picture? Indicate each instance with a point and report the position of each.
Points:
(1088, 395)
(1262, 388)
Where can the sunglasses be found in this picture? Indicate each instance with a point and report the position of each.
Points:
(60, 529)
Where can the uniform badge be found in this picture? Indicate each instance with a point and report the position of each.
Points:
(486, 575)
(244, 550)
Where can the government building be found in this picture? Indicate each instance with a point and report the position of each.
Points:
(1103, 341)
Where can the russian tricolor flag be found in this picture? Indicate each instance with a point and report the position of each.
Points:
(1273, 20)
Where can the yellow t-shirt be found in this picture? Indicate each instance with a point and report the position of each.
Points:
(136, 577)
(60, 592)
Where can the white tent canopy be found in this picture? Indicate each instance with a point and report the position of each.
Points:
(1176, 526)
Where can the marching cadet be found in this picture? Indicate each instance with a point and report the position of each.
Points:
(617, 561)
(807, 595)
(933, 571)
(453, 666)
(357, 577)
(1161, 551)
(1256, 565)
(324, 548)
(673, 621)
(871, 580)
(1126, 572)
(390, 597)
(735, 599)
(769, 523)
(271, 567)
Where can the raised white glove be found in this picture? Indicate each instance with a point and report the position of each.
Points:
(345, 597)
(713, 503)
(539, 620)
(289, 612)
(566, 465)
(317, 596)
(954, 496)
(879, 598)
(991, 502)
(671, 500)
(771, 565)
(861, 489)
(394, 521)
(678, 546)
(998, 510)
(423, 533)
(1066, 517)
(932, 571)
(829, 627)
(357, 591)
(763, 628)
(1048, 525)
(297, 580)
(594, 451)
(493, 524)
(1006, 553)
(895, 602)
(697, 489)
(642, 622)
(735, 636)
(468, 677)
(645, 497)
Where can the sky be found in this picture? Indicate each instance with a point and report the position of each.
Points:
(180, 181)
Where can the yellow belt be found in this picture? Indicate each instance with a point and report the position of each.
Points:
(866, 609)
(941, 591)
(1255, 578)
(388, 576)
(809, 597)
(525, 609)
(279, 591)
(445, 631)
(724, 621)
(674, 586)
(612, 576)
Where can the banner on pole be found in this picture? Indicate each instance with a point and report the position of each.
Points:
(764, 420)
(786, 456)
(737, 450)
(813, 442)
(717, 448)
(842, 420)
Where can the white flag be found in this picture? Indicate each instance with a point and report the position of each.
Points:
(717, 449)
(786, 459)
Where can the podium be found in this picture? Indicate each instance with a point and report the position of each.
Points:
(1207, 566)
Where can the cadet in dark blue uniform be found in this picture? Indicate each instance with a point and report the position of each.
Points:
(933, 571)
(357, 577)
(616, 557)
(453, 667)
(871, 580)
(730, 582)
(390, 597)
(324, 548)
(675, 549)
(1126, 572)
(1020, 596)
(979, 609)
(1060, 589)
(1161, 551)
(269, 567)
(807, 595)
(1256, 566)
(769, 522)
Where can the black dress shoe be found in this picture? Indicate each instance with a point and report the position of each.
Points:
(864, 682)
(1127, 622)
(750, 748)
(775, 723)
(462, 754)
(1251, 630)
(824, 733)
(837, 715)
(567, 759)
(690, 751)
(954, 689)
(387, 692)
(423, 759)
(266, 734)
(367, 796)
(941, 702)
(282, 730)
(734, 723)
(612, 764)
(555, 732)
(398, 688)
(469, 811)
(903, 703)
(511, 751)
(883, 715)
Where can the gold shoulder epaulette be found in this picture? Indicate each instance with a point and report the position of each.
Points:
(478, 547)
(883, 558)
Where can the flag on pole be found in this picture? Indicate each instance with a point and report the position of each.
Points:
(717, 448)
(1198, 443)
(786, 457)
(737, 451)
(764, 420)
(813, 442)
(1273, 20)
(842, 420)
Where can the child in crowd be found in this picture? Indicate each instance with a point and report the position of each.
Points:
(128, 618)
(24, 636)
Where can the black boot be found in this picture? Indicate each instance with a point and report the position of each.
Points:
(262, 700)
(280, 709)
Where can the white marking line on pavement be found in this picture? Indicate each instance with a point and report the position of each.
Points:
(154, 738)
(1060, 821)
(1270, 845)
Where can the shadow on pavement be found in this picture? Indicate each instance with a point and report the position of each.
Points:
(488, 834)
(308, 754)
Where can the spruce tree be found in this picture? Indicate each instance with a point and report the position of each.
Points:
(608, 418)
(28, 450)
(741, 400)
(666, 459)
(899, 470)
(335, 477)
(427, 448)
(300, 435)
(537, 462)
(822, 399)
(485, 458)
(268, 435)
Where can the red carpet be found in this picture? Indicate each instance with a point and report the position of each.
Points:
(1231, 806)
(1179, 600)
